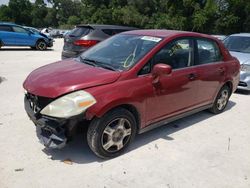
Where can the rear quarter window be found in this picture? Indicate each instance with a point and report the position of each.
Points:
(5, 28)
(80, 31)
(207, 52)
(113, 31)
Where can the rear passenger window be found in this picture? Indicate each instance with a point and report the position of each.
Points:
(208, 52)
(113, 31)
(108, 31)
(79, 31)
(5, 28)
(177, 54)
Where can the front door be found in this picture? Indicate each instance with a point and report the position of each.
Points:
(175, 93)
(22, 36)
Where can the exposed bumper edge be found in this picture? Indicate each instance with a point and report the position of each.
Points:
(52, 132)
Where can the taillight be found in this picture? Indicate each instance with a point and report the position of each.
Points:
(86, 43)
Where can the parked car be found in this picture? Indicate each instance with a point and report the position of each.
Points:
(220, 37)
(85, 36)
(55, 33)
(16, 35)
(239, 47)
(128, 84)
(36, 31)
(66, 32)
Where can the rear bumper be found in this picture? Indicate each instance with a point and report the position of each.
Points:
(52, 132)
(244, 83)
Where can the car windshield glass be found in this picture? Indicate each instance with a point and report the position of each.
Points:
(238, 44)
(120, 51)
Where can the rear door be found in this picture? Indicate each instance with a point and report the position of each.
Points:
(7, 35)
(210, 69)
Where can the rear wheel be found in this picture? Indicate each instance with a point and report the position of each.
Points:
(221, 100)
(1, 44)
(111, 134)
(41, 45)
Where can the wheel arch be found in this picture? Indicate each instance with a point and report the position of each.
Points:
(230, 85)
(40, 39)
(130, 107)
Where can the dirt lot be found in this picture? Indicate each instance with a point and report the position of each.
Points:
(200, 151)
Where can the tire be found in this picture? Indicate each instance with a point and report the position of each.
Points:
(221, 100)
(41, 45)
(1, 44)
(111, 134)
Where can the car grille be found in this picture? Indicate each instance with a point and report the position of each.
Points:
(243, 84)
(37, 103)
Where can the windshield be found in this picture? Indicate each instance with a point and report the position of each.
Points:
(238, 44)
(121, 51)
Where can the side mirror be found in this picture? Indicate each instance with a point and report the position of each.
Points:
(161, 69)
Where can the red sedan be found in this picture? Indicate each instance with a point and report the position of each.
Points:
(128, 84)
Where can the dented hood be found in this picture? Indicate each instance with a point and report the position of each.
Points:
(66, 76)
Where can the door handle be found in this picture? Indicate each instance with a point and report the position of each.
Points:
(192, 76)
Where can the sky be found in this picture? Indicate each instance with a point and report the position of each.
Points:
(3, 2)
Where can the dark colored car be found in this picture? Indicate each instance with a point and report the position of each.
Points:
(16, 35)
(128, 84)
(83, 37)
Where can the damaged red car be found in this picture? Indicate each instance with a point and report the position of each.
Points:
(128, 84)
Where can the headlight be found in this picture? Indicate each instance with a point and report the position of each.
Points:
(69, 105)
(245, 67)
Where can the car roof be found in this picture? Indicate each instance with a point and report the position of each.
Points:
(7, 23)
(241, 34)
(101, 26)
(163, 33)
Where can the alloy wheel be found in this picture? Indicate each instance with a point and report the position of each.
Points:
(222, 100)
(116, 135)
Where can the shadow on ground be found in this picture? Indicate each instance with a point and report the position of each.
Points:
(242, 92)
(79, 152)
(23, 49)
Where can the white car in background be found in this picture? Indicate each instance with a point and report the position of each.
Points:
(220, 37)
(239, 47)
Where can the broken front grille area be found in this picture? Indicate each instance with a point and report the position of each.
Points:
(37, 103)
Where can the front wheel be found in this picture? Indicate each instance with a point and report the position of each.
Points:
(221, 100)
(41, 45)
(111, 134)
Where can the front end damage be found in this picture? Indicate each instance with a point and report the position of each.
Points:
(52, 132)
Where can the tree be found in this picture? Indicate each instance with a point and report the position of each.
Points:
(20, 11)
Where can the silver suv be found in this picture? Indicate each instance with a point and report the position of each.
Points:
(239, 47)
(85, 36)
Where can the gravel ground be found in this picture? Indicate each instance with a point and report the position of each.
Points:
(202, 150)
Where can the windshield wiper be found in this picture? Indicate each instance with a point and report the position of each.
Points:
(97, 63)
(88, 61)
(106, 66)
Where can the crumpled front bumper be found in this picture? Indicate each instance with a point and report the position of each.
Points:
(244, 83)
(52, 132)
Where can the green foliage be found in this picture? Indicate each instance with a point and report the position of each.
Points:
(207, 16)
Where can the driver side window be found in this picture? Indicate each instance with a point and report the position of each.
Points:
(177, 54)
